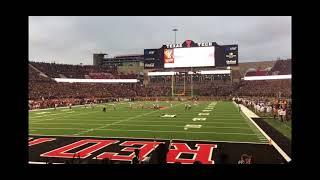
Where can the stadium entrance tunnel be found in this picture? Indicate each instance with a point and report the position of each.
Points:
(97, 150)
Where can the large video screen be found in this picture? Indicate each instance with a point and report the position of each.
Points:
(189, 57)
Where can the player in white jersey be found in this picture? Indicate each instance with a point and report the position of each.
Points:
(269, 109)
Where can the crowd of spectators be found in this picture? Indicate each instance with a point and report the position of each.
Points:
(43, 88)
(280, 108)
(45, 92)
(270, 88)
(54, 70)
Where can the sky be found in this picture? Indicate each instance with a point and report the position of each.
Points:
(74, 40)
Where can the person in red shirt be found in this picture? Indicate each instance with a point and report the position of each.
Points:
(275, 111)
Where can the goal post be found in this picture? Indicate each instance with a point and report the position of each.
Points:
(173, 85)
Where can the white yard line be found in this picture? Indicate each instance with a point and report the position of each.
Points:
(258, 134)
(124, 137)
(55, 118)
(151, 121)
(47, 115)
(202, 132)
(128, 119)
(147, 125)
(252, 127)
(57, 128)
(143, 130)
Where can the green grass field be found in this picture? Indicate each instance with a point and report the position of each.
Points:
(282, 127)
(223, 123)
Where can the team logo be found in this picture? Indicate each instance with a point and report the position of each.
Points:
(100, 149)
(168, 56)
(188, 42)
(231, 55)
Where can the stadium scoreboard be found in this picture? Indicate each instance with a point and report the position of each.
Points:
(153, 58)
(191, 54)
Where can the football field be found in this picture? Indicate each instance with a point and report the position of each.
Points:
(206, 120)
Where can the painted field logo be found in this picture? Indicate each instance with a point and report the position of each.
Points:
(99, 149)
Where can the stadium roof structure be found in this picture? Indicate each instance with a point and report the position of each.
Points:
(270, 77)
(71, 80)
(170, 73)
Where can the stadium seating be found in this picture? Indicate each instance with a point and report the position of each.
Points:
(270, 88)
(70, 71)
(47, 91)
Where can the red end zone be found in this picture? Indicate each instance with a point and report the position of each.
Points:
(61, 149)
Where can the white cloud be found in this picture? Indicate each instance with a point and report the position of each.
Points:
(74, 39)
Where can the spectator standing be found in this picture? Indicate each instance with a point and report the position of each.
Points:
(136, 159)
(280, 114)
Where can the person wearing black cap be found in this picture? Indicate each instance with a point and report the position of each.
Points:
(136, 159)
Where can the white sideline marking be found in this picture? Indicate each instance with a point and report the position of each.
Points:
(125, 137)
(284, 155)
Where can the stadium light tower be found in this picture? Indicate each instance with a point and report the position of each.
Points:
(175, 35)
